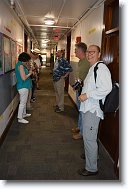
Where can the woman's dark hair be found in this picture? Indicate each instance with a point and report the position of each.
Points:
(24, 57)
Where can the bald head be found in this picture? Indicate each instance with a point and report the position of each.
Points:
(93, 54)
(95, 46)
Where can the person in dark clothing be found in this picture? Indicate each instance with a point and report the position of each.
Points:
(52, 63)
(40, 58)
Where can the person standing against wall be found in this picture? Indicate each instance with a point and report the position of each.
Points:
(61, 70)
(24, 84)
(34, 76)
(83, 67)
(38, 63)
(92, 92)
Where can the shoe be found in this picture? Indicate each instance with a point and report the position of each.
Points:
(84, 172)
(26, 115)
(23, 121)
(58, 110)
(82, 156)
(32, 100)
(75, 130)
(77, 136)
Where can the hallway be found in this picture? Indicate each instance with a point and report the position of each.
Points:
(44, 149)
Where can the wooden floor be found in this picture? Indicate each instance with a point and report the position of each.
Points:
(44, 148)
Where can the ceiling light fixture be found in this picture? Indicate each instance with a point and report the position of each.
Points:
(45, 40)
(49, 21)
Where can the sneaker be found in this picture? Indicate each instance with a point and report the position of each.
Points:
(26, 115)
(58, 110)
(84, 172)
(32, 100)
(23, 121)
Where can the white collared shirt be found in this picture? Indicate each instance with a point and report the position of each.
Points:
(96, 91)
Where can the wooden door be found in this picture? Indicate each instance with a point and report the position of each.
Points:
(109, 127)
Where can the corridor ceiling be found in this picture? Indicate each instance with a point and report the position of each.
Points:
(66, 14)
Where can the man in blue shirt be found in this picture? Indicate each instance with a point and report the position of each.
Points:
(61, 70)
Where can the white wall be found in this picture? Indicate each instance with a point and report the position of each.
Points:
(62, 44)
(9, 25)
(13, 28)
(90, 30)
(48, 54)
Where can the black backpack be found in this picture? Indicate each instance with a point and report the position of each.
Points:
(111, 103)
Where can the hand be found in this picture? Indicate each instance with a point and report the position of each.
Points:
(74, 90)
(30, 71)
(82, 97)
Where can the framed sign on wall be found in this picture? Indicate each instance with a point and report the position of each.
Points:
(7, 54)
(13, 53)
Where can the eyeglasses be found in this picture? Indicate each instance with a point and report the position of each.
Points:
(91, 52)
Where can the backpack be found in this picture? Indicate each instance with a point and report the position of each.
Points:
(111, 103)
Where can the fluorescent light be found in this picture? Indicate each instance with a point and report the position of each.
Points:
(44, 41)
(36, 50)
(49, 21)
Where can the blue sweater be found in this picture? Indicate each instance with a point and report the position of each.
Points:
(62, 69)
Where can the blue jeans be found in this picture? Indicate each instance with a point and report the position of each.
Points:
(80, 126)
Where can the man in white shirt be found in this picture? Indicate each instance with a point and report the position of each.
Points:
(37, 61)
(92, 92)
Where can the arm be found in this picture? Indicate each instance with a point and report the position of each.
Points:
(82, 97)
(22, 73)
(65, 75)
(83, 70)
(65, 67)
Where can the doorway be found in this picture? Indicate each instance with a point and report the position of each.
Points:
(44, 58)
(68, 58)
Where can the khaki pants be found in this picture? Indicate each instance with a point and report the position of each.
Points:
(59, 92)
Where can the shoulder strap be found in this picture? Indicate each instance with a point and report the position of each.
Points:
(96, 68)
(95, 76)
